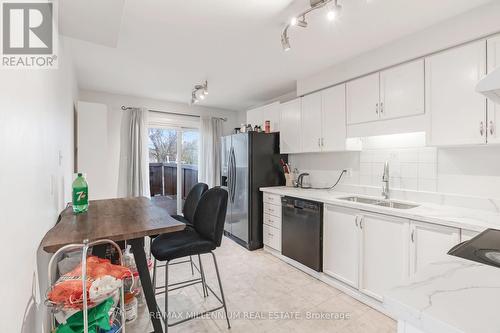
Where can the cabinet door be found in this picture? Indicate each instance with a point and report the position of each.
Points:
(402, 90)
(384, 253)
(290, 127)
(430, 243)
(457, 112)
(310, 137)
(363, 99)
(493, 108)
(254, 117)
(341, 244)
(334, 119)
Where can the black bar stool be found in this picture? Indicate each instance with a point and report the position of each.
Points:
(188, 211)
(204, 237)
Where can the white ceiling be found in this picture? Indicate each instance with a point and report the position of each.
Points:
(161, 49)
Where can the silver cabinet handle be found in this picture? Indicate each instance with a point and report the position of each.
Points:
(481, 128)
(356, 221)
(319, 142)
(492, 127)
(322, 142)
(381, 107)
(361, 222)
(413, 236)
(376, 108)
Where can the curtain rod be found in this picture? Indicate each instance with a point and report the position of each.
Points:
(174, 113)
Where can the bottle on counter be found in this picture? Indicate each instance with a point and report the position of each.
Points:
(80, 195)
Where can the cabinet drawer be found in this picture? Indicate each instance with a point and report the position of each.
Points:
(272, 237)
(272, 221)
(272, 209)
(274, 199)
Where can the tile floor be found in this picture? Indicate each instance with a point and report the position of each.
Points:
(264, 294)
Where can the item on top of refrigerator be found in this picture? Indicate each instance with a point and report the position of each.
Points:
(267, 126)
(80, 194)
(249, 128)
(243, 128)
(237, 130)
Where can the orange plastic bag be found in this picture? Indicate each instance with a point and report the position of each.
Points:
(68, 289)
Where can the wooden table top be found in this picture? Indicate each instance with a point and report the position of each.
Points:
(115, 219)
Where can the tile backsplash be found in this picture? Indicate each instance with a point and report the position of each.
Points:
(409, 168)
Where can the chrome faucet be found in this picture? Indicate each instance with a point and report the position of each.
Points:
(385, 181)
(300, 179)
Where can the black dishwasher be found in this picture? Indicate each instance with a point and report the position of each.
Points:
(302, 231)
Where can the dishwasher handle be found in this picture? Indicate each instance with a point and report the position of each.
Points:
(306, 205)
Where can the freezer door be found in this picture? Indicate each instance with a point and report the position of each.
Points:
(240, 187)
(225, 180)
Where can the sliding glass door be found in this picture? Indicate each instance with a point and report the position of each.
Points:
(173, 165)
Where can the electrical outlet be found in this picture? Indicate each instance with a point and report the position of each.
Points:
(349, 172)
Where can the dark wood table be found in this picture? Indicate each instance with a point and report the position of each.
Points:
(129, 219)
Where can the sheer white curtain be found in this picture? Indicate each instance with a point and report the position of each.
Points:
(210, 151)
(137, 164)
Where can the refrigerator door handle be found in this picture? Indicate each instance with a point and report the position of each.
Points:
(230, 172)
(233, 176)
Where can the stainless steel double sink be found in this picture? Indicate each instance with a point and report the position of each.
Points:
(378, 202)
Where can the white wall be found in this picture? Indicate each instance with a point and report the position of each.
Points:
(36, 164)
(476, 23)
(111, 180)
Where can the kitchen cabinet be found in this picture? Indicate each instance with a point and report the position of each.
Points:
(341, 244)
(393, 93)
(258, 116)
(271, 229)
(429, 243)
(362, 99)
(290, 126)
(384, 253)
(402, 91)
(310, 133)
(493, 108)
(333, 121)
(457, 112)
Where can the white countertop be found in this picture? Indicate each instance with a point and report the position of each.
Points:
(450, 296)
(470, 219)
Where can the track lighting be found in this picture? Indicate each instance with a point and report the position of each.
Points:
(332, 14)
(199, 92)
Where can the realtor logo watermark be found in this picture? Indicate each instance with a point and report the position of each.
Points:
(29, 34)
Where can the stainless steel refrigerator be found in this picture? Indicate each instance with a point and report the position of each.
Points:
(249, 161)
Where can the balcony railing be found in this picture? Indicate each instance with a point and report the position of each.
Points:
(163, 178)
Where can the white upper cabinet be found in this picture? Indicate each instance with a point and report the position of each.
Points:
(457, 112)
(430, 243)
(290, 126)
(341, 244)
(333, 124)
(402, 91)
(363, 97)
(493, 109)
(258, 116)
(310, 134)
(384, 254)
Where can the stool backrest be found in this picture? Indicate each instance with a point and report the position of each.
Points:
(210, 214)
(192, 200)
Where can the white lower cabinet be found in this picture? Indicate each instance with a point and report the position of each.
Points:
(384, 253)
(341, 244)
(430, 243)
(272, 221)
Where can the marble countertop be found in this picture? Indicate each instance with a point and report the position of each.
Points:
(449, 296)
(470, 219)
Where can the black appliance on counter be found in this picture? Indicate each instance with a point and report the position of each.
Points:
(302, 231)
(484, 248)
(249, 161)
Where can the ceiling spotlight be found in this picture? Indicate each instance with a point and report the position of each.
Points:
(334, 12)
(285, 41)
(199, 92)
